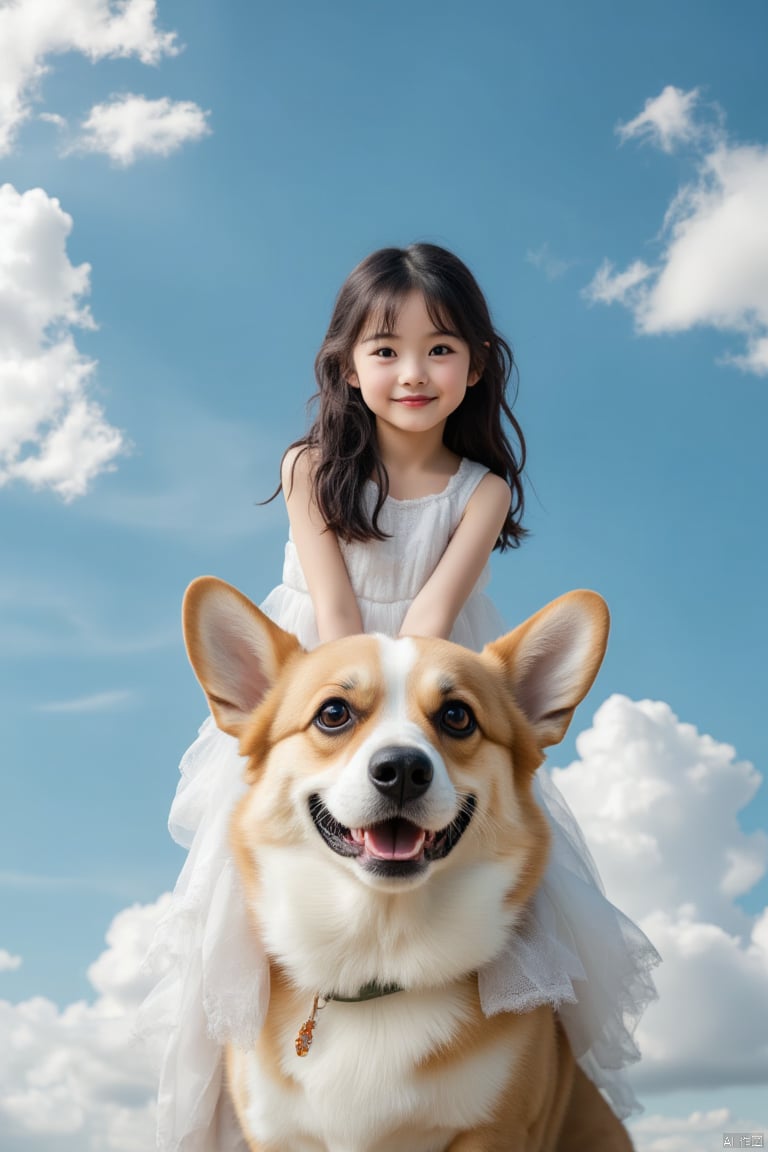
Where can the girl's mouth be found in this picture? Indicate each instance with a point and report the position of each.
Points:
(415, 401)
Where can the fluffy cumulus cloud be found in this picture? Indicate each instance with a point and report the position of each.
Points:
(659, 804)
(53, 433)
(708, 1029)
(131, 126)
(9, 962)
(713, 265)
(33, 30)
(77, 1078)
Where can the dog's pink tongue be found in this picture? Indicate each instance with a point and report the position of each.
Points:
(394, 840)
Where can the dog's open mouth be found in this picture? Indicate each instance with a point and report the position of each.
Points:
(395, 847)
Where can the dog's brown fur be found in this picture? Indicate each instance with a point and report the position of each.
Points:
(523, 690)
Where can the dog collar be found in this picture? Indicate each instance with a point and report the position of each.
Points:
(370, 991)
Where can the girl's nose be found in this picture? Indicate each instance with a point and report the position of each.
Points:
(412, 371)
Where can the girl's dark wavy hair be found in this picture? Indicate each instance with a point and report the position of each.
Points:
(342, 437)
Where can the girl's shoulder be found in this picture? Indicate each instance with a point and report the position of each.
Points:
(296, 467)
(478, 488)
(490, 492)
(475, 479)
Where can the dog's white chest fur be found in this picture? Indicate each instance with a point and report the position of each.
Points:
(376, 1052)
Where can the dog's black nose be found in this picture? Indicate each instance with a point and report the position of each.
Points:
(400, 774)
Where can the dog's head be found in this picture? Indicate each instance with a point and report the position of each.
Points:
(389, 832)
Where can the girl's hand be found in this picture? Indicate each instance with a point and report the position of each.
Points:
(320, 557)
(434, 611)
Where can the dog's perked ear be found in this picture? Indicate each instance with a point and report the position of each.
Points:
(236, 651)
(553, 659)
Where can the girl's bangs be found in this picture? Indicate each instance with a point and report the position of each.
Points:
(382, 312)
(440, 315)
(384, 309)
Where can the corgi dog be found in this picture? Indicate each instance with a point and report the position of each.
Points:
(387, 843)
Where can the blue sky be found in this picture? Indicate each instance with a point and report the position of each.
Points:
(604, 171)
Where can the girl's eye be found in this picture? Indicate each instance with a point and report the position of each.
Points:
(384, 353)
(457, 719)
(333, 716)
(441, 350)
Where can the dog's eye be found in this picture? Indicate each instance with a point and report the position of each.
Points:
(333, 715)
(457, 719)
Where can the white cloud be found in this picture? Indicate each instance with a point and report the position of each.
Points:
(755, 359)
(76, 1078)
(659, 805)
(117, 974)
(609, 287)
(713, 267)
(708, 1027)
(97, 702)
(53, 118)
(33, 30)
(53, 434)
(130, 126)
(9, 962)
(666, 120)
(692, 1133)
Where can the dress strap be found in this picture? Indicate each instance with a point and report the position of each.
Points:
(467, 479)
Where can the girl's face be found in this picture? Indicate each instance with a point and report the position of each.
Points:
(415, 376)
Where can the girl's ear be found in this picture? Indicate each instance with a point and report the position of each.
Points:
(475, 377)
(352, 380)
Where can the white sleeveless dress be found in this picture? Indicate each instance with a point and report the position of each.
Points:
(575, 950)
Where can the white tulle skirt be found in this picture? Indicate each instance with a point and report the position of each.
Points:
(575, 951)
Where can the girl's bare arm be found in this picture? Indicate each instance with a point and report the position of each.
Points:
(434, 611)
(320, 557)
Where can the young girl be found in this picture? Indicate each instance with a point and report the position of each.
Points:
(398, 494)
